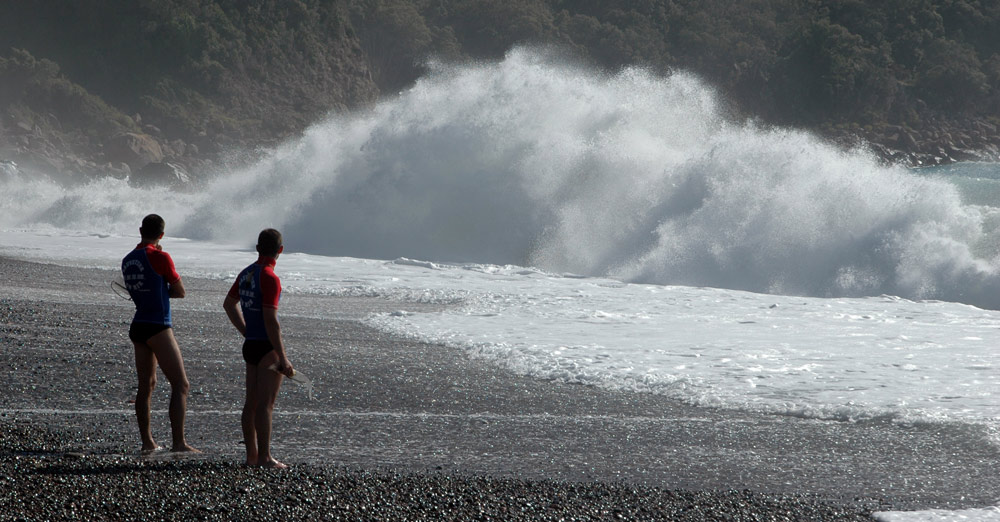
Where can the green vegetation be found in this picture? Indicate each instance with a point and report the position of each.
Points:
(800, 62)
(264, 69)
(245, 69)
(33, 89)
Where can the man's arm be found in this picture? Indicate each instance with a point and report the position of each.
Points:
(176, 289)
(163, 264)
(232, 307)
(274, 335)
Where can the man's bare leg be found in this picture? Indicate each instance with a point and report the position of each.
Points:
(168, 354)
(145, 368)
(247, 419)
(268, 384)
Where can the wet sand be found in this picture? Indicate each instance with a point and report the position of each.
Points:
(414, 430)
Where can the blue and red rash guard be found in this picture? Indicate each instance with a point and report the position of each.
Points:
(147, 272)
(257, 288)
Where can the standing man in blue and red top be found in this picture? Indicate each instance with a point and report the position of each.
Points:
(258, 290)
(152, 281)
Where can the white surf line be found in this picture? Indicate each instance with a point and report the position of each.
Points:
(378, 414)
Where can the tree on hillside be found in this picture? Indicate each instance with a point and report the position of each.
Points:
(395, 38)
(831, 74)
(488, 29)
(951, 77)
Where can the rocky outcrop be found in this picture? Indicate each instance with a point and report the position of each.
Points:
(50, 148)
(161, 174)
(937, 142)
(135, 150)
(73, 115)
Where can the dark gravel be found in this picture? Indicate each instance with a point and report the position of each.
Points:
(53, 475)
(408, 431)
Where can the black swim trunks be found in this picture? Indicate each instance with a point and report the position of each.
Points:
(142, 332)
(255, 349)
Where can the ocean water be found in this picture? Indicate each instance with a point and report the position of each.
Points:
(617, 230)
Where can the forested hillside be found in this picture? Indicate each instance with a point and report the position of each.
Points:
(918, 76)
(196, 78)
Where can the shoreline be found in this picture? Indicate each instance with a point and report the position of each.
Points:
(395, 420)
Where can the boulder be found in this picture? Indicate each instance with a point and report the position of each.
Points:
(8, 169)
(136, 150)
(179, 147)
(118, 170)
(23, 127)
(962, 154)
(906, 142)
(160, 174)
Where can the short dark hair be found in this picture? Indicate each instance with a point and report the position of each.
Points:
(269, 242)
(152, 226)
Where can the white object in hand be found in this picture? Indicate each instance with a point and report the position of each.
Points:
(297, 378)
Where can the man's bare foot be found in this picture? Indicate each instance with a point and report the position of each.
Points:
(150, 448)
(185, 448)
(271, 463)
(251, 460)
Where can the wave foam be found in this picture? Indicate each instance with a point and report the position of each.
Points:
(534, 162)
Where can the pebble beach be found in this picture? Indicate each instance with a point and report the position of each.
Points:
(43, 479)
(400, 430)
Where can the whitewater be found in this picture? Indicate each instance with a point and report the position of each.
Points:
(620, 230)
